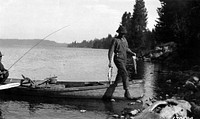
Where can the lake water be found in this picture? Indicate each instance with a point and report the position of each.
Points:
(69, 64)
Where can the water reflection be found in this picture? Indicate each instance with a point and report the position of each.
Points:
(26, 107)
(38, 106)
(155, 85)
(147, 72)
(155, 81)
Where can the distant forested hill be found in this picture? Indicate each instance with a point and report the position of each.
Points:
(29, 42)
(103, 43)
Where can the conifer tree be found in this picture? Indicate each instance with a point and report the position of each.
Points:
(137, 25)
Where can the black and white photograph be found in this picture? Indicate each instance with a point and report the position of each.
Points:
(99, 59)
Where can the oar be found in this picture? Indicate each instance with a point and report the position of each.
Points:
(9, 85)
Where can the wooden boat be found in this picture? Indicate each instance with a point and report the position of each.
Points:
(63, 89)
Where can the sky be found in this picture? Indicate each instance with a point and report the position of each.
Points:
(84, 19)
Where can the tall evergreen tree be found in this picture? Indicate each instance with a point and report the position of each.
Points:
(137, 27)
(171, 21)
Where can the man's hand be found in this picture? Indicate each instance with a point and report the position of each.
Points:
(110, 64)
(134, 54)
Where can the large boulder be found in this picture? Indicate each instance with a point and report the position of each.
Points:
(168, 109)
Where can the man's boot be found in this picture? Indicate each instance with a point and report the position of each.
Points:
(109, 92)
(127, 94)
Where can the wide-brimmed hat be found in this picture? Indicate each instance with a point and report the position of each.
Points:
(121, 29)
(1, 54)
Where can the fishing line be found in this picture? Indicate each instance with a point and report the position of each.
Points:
(35, 46)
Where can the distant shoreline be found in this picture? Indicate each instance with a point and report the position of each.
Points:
(30, 42)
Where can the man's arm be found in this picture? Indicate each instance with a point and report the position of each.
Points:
(131, 52)
(2, 69)
(128, 50)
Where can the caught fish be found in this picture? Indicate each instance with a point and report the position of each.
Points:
(110, 70)
(134, 63)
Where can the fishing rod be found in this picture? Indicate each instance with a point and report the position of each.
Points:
(35, 46)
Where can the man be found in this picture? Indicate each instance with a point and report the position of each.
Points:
(3, 72)
(119, 47)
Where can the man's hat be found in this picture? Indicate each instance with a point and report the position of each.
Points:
(0, 54)
(121, 29)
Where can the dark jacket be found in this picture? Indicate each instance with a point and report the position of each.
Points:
(2, 67)
(3, 76)
(120, 48)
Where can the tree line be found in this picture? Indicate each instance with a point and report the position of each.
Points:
(103, 43)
